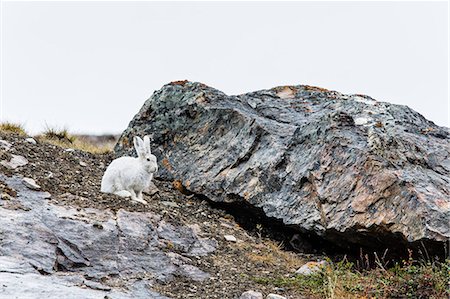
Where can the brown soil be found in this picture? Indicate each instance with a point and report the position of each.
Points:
(233, 266)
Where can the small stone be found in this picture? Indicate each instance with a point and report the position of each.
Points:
(230, 238)
(30, 140)
(5, 144)
(311, 267)
(69, 150)
(169, 204)
(97, 225)
(16, 161)
(251, 295)
(275, 296)
(46, 195)
(6, 196)
(83, 164)
(361, 121)
(31, 184)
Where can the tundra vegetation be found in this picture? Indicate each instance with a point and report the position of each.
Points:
(62, 138)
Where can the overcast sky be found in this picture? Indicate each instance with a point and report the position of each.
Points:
(89, 66)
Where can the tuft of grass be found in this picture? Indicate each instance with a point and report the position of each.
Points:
(269, 253)
(59, 135)
(410, 279)
(62, 138)
(9, 127)
(90, 147)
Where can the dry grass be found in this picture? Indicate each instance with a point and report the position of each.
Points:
(410, 279)
(60, 135)
(62, 138)
(269, 253)
(8, 127)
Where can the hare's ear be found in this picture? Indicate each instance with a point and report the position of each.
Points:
(138, 145)
(147, 144)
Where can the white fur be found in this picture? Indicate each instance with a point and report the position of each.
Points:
(128, 176)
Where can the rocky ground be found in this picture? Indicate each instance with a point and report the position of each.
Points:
(61, 237)
(72, 180)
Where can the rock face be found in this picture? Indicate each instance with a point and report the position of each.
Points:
(344, 167)
(89, 253)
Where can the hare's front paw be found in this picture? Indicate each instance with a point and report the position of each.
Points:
(123, 193)
(140, 200)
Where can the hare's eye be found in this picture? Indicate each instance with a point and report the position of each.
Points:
(148, 159)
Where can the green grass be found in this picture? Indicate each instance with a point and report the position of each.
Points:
(410, 279)
(9, 127)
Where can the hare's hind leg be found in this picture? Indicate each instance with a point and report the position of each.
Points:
(141, 197)
(138, 197)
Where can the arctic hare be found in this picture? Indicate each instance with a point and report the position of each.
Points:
(128, 176)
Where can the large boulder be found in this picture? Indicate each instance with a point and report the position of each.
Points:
(346, 168)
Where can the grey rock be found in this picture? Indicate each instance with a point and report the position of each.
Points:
(91, 252)
(192, 272)
(251, 295)
(347, 168)
(16, 265)
(30, 285)
(36, 286)
(185, 239)
(30, 183)
(16, 161)
(275, 296)
(96, 285)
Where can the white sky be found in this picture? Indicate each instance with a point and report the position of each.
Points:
(89, 66)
